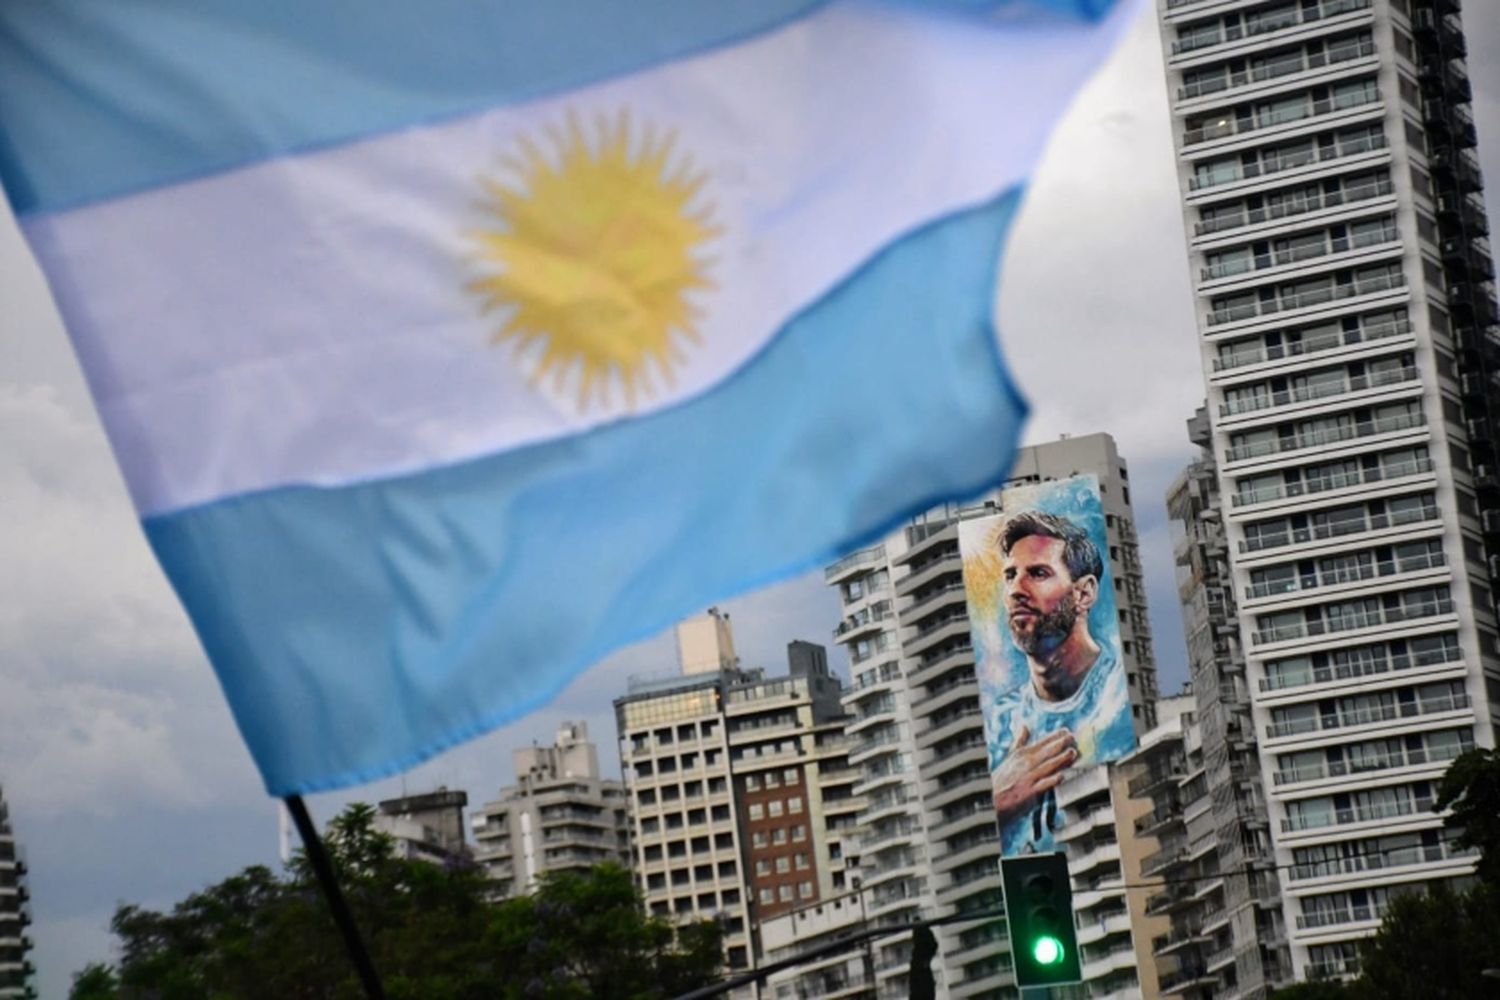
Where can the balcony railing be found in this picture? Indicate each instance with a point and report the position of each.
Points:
(1337, 481)
(1377, 861)
(1333, 292)
(1338, 529)
(1230, 125)
(1271, 71)
(1318, 390)
(1341, 768)
(1346, 915)
(1278, 258)
(866, 555)
(1366, 716)
(1343, 432)
(1364, 571)
(1358, 814)
(1314, 202)
(1347, 623)
(1291, 161)
(1236, 32)
(1387, 663)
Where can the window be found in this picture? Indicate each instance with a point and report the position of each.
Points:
(805, 890)
(794, 804)
(779, 835)
(767, 897)
(791, 776)
(759, 839)
(774, 808)
(757, 811)
(752, 782)
(802, 862)
(772, 781)
(783, 865)
(763, 867)
(784, 893)
(799, 833)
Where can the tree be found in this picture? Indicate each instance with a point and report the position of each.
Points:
(1471, 789)
(1433, 946)
(431, 932)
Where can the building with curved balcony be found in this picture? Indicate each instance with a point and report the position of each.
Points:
(1351, 347)
(929, 843)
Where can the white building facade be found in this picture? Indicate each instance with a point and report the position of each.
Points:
(1349, 340)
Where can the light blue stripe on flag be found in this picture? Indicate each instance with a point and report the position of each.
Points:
(99, 99)
(359, 630)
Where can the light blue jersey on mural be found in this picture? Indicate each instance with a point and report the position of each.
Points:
(1097, 714)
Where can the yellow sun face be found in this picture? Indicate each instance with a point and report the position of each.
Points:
(593, 256)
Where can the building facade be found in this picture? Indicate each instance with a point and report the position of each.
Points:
(560, 815)
(725, 777)
(16, 969)
(1246, 904)
(426, 827)
(928, 839)
(1348, 334)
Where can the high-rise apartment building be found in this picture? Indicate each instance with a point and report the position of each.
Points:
(1244, 907)
(15, 968)
(928, 839)
(426, 827)
(1349, 340)
(560, 815)
(724, 773)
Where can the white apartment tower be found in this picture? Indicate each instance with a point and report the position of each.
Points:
(928, 839)
(560, 815)
(1349, 341)
(15, 966)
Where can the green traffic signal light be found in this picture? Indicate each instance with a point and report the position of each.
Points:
(1047, 950)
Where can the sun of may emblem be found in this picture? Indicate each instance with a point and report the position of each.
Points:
(592, 256)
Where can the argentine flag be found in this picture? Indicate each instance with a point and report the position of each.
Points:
(448, 346)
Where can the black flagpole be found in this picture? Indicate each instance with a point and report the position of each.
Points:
(355, 944)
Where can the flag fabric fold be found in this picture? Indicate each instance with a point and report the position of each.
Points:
(434, 387)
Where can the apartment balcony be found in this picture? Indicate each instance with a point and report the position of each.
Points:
(1353, 622)
(1374, 570)
(855, 563)
(950, 724)
(1382, 861)
(936, 631)
(934, 600)
(1339, 154)
(1319, 919)
(1338, 292)
(1369, 716)
(1291, 443)
(1358, 670)
(1190, 978)
(1417, 757)
(963, 820)
(1318, 201)
(1338, 529)
(1268, 29)
(1320, 391)
(863, 623)
(1312, 113)
(1231, 83)
(1176, 940)
(1351, 815)
(937, 661)
(1338, 481)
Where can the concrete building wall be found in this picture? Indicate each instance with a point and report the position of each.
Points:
(16, 969)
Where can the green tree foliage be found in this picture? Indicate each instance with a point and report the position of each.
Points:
(1471, 788)
(1317, 990)
(1433, 946)
(430, 930)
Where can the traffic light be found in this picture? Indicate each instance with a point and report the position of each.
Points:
(1039, 911)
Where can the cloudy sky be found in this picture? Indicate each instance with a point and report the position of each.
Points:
(126, 779)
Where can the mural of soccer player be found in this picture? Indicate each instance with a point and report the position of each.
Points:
(1071, 707)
